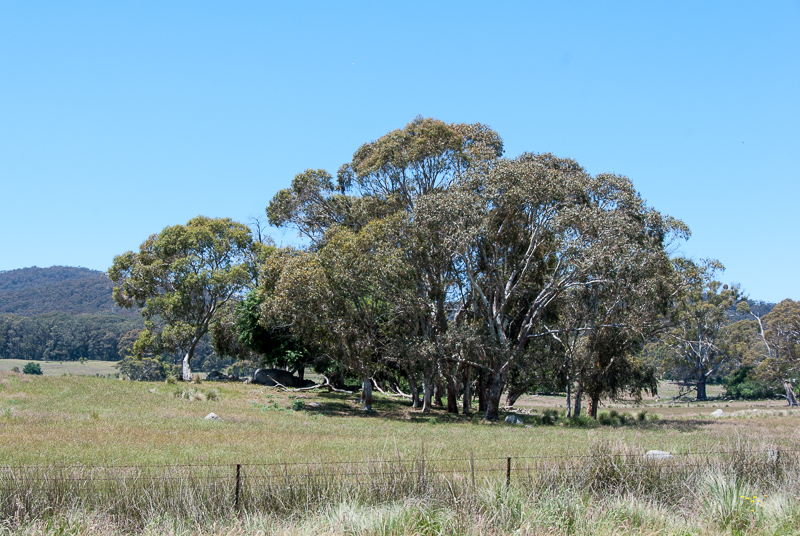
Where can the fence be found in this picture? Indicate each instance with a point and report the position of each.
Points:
(216, 490)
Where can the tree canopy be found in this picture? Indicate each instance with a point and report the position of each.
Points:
(433, 256)
(182, 278)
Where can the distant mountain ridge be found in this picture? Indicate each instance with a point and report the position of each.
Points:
(58, 289)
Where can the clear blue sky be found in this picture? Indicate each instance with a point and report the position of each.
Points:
(120, 118)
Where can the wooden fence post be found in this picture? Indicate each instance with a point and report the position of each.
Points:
(238, 489)
(508, 472)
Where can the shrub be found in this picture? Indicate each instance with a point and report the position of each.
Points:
(145, 369)
(15, 369)
(550, 417)
(743, 386)
(32, 368)
(298, 405)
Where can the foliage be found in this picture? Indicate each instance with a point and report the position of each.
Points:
(58, 289)
(182, 278)
(32, 368)
(743, 385)
(780, 333)
(144, 369)
(432, 256)
(699, 319)
(65, 337)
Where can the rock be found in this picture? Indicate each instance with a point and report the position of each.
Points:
(718, 413)
(658, 455)
(272, 377)
(513, 419)
(314, 405)
(213, 417)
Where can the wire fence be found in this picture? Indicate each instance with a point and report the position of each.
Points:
(193, 490)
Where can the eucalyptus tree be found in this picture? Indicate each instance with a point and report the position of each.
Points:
(390, 176)
(183, 278)
(530, 229)
(699, 320)
(343, 298)
(780, 333)
(602, 327)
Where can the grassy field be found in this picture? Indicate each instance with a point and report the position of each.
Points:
(91, 421)
(59, 368)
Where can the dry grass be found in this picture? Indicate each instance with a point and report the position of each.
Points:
(59, 368)
(97, 421)
(91, 421)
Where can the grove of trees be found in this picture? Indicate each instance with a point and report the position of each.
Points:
(437, 267)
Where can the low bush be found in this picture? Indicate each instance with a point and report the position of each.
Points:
(32, 368)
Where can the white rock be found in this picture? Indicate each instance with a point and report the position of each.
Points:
(213, 417)
(718, 413)
(658, 455)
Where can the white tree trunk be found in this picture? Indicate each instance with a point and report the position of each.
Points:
(427, 392)
(187, 369)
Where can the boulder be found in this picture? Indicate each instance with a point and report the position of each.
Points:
(718, 413)
(213, 417)
(314, 405)
(658, 455)
(272, 377)
(513, 419)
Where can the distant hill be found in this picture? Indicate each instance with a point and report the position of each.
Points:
(63, 313)
(58, 289)
(757, 307)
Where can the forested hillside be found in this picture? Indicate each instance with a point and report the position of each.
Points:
(64, 313)
(58, 289)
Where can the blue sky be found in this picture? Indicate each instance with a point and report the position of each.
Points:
(120, 118)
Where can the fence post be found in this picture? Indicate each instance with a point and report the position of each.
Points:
(472, 466)
(238, 488)
(508, 472)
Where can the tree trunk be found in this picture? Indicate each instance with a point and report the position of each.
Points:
(493, 400)
(187, 368)
(366, 394)
(790, 396)
(414, 388)
(337, 380)
(427, 391)
(512, 397)
(578, 396)
(594, 405)
(467, 400)
(701, 388)
(482, 392)
(437, 395)
(452, 392)
(569, 399)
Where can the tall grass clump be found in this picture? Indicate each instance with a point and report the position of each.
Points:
(612, 489)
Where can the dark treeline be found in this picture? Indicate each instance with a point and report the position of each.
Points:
(67, 337)
(64, 313)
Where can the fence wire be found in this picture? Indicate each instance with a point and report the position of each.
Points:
(193, 490)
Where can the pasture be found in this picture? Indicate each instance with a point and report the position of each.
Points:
(48, 421)
(59, 368)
